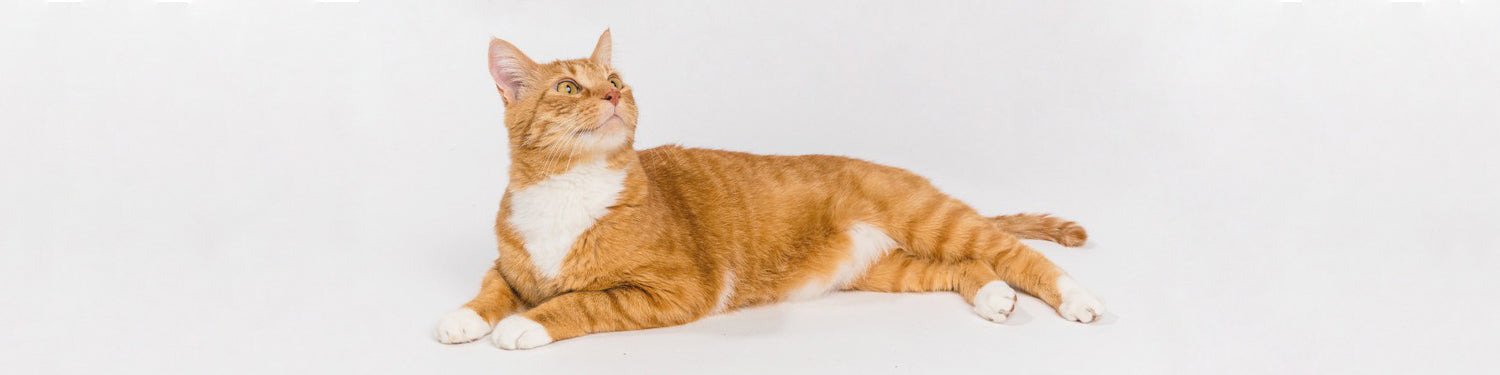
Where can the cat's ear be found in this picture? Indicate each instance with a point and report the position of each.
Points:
(510, 67)
(602, 50)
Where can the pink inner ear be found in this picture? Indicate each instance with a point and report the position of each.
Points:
(507, 76)
(509, 67)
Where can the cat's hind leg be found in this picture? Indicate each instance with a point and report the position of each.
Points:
(1029, 269)
(977, 282)
(948, 230)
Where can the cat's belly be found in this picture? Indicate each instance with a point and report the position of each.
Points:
(867, 244)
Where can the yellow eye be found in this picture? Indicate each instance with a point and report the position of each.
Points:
(567, 87)
(615, 81)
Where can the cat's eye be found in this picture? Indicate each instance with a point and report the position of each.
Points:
(615, 81)
(568, 87)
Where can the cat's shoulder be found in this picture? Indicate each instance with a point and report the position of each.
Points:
(667, 151)
(672, 156)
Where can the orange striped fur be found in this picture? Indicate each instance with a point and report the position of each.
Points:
(682, 233)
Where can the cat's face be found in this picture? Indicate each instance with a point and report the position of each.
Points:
(564, 108)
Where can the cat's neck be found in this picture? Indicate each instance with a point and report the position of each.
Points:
(528, 168)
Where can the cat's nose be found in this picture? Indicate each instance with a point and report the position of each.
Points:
(613, 96)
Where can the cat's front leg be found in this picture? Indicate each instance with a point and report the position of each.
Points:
(478, 317)
(579, 313)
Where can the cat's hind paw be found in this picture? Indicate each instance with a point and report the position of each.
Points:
(995, 301)
(1078, 304)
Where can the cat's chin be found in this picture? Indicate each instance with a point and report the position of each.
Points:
(613, 124)
(606, 138)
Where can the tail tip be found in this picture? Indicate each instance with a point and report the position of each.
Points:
(1072, 235)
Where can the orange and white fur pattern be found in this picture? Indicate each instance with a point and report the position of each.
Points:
(595, 236)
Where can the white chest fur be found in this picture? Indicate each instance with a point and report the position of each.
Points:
(551, 214)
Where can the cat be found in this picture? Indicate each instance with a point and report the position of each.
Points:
(595, 236)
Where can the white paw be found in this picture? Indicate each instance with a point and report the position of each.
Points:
(461, 326)
(518, 332)
(995, 301)
(1078, 304)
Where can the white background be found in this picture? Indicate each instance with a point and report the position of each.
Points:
(291, 186)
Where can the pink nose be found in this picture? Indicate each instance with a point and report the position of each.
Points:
(613, 96)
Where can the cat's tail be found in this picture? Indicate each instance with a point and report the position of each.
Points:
(1042, 227)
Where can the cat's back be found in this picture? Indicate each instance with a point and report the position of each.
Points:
(731, 177)
(676, 164)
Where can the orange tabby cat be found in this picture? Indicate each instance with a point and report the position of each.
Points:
(597, 237)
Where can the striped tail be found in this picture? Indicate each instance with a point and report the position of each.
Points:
(1042, 227)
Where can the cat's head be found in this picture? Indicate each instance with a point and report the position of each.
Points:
(566, 107)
